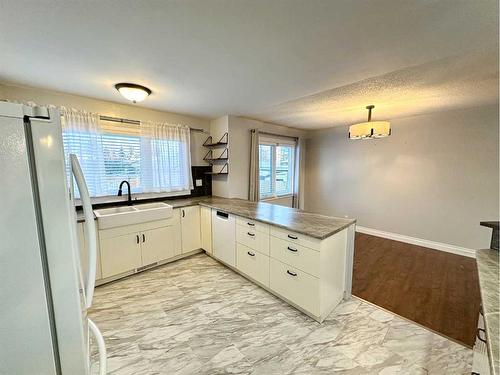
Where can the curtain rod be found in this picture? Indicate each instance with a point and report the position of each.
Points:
(279, 135)
(137, 122)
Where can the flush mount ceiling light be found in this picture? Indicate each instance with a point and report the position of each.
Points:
(134, 93)
(370, 129)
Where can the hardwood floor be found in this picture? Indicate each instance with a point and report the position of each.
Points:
(436, 289)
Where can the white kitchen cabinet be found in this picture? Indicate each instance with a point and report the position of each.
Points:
(128, 248)
(206, 229)
(298, 287)
(253, 264)
(177, 233)
(120, 254)
(308, 272)
(253, 238)
(190, 228)
(157, 244)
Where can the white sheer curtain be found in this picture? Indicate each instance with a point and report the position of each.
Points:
(82, 136)
(165, 157)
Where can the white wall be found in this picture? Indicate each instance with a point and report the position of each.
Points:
(435, 178)
(133, 112)
(220, 184)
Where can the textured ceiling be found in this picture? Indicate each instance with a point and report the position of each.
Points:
(309, 64)
(453, 82)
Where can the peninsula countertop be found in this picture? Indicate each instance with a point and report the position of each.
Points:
(313, 225)
(488, 271)
(295, 220)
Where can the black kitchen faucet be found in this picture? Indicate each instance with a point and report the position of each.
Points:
(129, 199)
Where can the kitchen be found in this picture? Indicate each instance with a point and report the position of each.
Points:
(207, 231)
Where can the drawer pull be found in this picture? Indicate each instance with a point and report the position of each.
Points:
(251, 254)
(479, 330)
(293, 237)
(251, 224)
(291, 273)
(292, 249)
(251, 234)
(137, 238)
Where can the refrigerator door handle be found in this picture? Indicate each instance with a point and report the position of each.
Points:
(90, 232)
(100, 345)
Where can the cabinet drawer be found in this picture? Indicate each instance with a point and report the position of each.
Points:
(301, 239)
(252, 224)
(252, 238)
(296, 255)
(253, 264)
(297, 286)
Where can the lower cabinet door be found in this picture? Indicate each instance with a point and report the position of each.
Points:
(190, 228)
(206, 229)
(253, 264)
(297, 286)
(120, 254)
(176, 220)
(157, 244)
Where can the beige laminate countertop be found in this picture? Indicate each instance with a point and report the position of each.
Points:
(488, 271)
(313, 225)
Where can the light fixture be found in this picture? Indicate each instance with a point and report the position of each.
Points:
(131, 91)
(370, 129)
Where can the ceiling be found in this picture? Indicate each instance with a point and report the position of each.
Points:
(307, 64)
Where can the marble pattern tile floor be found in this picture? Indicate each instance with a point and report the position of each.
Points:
(195, 316)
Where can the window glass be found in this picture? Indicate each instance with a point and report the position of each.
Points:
(276, 169)
(122, 161)
(265, 171)
(284, 170)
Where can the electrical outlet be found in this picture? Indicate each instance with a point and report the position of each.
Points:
(199, 182)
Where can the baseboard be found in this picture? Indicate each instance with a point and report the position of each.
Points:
(418, 241)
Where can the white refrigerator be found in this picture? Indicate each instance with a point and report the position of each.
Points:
(44, 292)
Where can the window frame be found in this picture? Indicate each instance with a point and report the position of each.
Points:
(274, 142)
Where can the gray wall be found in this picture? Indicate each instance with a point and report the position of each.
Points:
(434, 178)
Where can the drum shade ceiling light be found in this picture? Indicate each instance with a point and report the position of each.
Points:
(134, 93)
(370, 129)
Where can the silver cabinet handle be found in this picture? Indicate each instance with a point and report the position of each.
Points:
(293, 237)
(251, 254)
(251, 224)
(292, 249)
(291, 273)
(251, 234)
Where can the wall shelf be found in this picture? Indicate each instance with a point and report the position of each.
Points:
(215, 158)
(223, 171)
(221, 142)
(209, 156)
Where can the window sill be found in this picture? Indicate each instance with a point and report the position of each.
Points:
(276, 197)
(138, 197)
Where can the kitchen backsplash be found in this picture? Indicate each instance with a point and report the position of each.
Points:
(199, 175)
